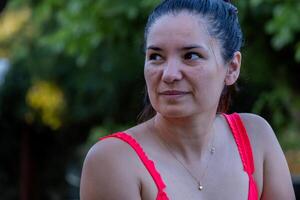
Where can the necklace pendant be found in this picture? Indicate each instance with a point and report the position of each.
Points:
(212, 150)
(200, 187)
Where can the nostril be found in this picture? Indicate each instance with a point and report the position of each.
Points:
(171, 74)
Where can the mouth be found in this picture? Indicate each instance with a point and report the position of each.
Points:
(173, 92)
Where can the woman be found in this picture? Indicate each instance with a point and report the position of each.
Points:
(188, 149)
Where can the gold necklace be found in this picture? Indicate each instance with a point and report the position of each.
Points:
(212, 150)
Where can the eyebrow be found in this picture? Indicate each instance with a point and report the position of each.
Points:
(154, 48)
(194, 47)
(189, 47)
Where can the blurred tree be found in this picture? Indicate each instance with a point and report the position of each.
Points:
(2, 5)
(271, 65)
(73, 67)
(76, 64)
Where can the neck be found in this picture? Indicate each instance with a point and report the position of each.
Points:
(188, 138)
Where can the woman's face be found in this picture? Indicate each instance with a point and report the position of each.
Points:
(184, 69)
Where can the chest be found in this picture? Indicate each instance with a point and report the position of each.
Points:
(222, 178)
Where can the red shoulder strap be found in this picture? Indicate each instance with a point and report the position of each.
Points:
(242, 140)
(149, 164)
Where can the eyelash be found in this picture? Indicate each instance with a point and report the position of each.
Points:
(154, 55)
(192, 53)
(187, 56)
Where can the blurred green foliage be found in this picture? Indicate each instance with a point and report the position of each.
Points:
(88, 55)
(271, 65)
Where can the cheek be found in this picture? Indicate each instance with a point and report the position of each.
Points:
(202, 76)
(207, 82)
(152, 76)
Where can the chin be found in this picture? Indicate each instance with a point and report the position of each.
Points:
(175, 112)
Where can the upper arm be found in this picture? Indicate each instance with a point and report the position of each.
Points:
(277, 177)
(277, 183)
(107, 173)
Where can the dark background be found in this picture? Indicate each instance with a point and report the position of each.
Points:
(74, 72)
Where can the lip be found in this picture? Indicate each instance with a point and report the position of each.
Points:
(173, 92)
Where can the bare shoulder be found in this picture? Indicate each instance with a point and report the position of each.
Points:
(259, 131)
(256, 122)
(276, 177)
(109, 164)
(109, 151)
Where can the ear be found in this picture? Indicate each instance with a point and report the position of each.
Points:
(233, 69)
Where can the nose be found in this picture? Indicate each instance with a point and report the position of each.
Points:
(172, 72)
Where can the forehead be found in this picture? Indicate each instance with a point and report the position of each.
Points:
(181, 28)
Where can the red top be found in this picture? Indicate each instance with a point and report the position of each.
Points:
(241, 138)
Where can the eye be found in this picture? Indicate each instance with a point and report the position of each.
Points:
(192, 56)
(155, 57)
